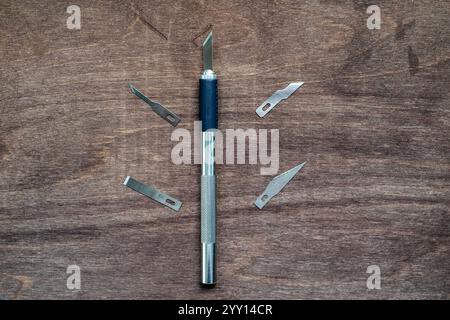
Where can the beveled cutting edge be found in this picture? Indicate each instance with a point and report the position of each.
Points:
(207, 49)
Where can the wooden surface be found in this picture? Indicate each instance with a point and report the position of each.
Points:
(372, 121)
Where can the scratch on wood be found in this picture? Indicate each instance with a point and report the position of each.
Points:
(3, 150)
(133, 23)
(413, 62)
(138, 12)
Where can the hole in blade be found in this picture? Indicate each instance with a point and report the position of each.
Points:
(264, 197)
(170, 202)
(170, 118)
(266, 106)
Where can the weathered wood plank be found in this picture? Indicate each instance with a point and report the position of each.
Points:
(372, 121)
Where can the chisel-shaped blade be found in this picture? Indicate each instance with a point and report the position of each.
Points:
(208, 52)
(152, 193)
(276, 185)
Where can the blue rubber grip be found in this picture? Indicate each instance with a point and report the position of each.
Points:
(208, 103)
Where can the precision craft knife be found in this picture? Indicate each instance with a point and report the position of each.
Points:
(208, 117)
(276, 97)
(276, 185)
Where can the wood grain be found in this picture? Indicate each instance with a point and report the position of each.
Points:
(372, 121)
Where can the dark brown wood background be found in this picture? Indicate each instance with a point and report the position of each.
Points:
(372, 121)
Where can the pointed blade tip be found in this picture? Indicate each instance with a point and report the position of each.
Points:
(208, 37)
(301, 165)
(132, 88)
(296, 169)
(207, 52)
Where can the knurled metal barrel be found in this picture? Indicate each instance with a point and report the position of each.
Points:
(208, 115)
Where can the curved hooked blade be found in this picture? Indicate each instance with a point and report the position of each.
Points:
(276, 185)
(163, 112)
(275, 98)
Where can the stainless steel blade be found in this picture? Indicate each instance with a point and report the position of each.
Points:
(275, 98)
(163, 112)
(276, 185)
(153, 193)
(208, 52)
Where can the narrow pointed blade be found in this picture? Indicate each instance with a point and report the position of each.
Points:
(207, 52)
(287, 176)
(276, 185)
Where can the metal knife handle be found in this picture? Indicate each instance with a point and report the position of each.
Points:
(208, 229)
(208, 115)
(208, 207)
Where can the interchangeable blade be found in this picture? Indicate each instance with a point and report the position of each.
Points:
(164, 113)
(276, 185)
(208, 52)
(153, 193)
(278, 95)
